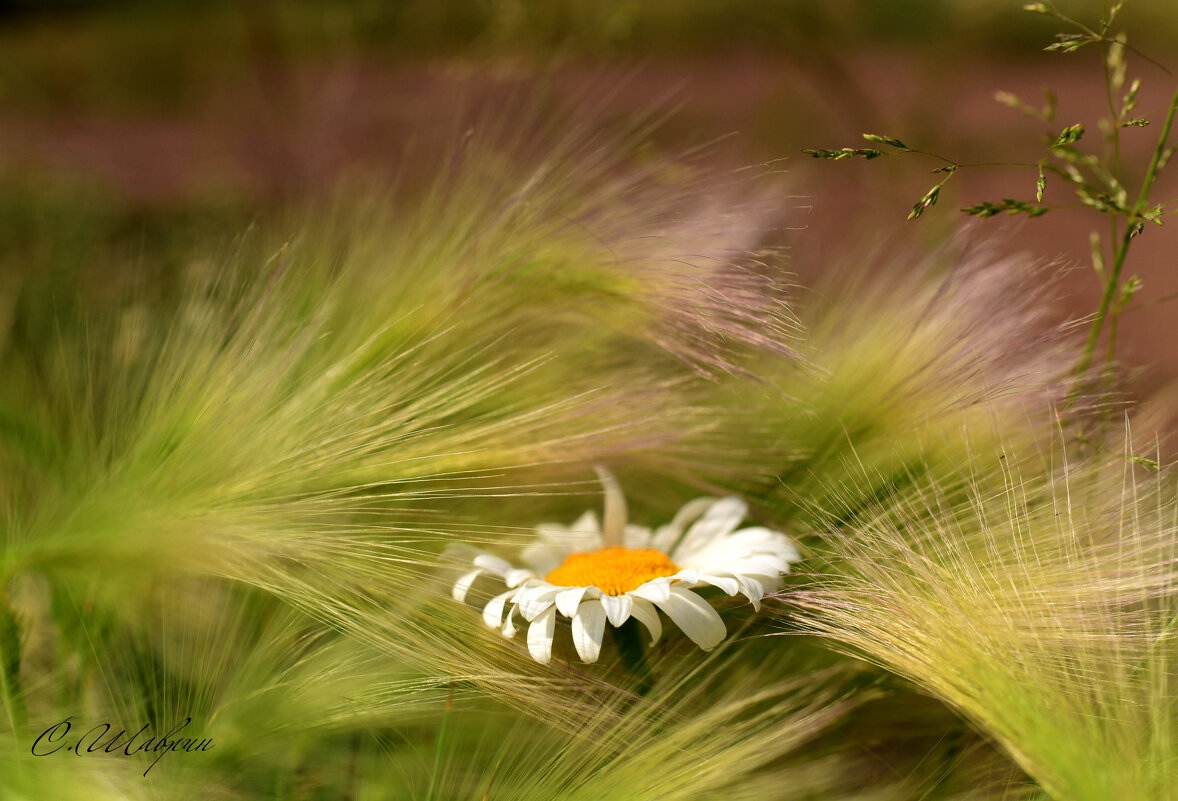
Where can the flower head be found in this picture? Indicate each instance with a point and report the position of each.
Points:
(596, 574)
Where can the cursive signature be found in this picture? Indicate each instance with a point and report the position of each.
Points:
(55, 738)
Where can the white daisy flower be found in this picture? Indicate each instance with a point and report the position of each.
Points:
(596, 576)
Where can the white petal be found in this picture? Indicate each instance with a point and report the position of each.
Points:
(752, 589)
(536, 600)
(765, 536)
(761, 542)
(493, 611)
(791, 554)
(758, 565)
(509, 624)
(492, 564)
(517, 576)
(636, 537)
(698, 620)
(557, 533)
(540, 636)
(726, 583)
(645, 613)
(720, 520)
(617, 608)
(462, 586)
(588, 628)
(568, 600)
(557, 542)
(719, 553)
(689, 576)
(543, 559)
(583, 535)
(656, 590)
(586, 524)
(667, 537)
(527, 588)
(769, 584)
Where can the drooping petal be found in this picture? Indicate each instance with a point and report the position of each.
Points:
(462, 586)
(509, 629)
(568, 600)
(588, 629)
(697, 619)
(644, 612)
(540, 636)
(493, 611)
(617, 608)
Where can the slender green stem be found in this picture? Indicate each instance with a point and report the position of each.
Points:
(1111, 354)
(1114, 117)
(960, 164)
(998, 164)
(1115, 159)
(1114, 275)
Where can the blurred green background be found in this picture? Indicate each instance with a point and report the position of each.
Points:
(141, 142)
(146, 131)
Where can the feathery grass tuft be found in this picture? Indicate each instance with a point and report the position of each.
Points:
(1042, 610)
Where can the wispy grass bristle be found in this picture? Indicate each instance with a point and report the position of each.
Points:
(1042, 610)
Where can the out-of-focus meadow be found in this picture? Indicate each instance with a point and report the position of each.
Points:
(302, 301)
(147, 126)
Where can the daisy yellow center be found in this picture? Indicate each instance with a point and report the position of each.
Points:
(613, 570)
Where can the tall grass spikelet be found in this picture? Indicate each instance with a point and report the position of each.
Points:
(1042, 610)
(894, 370)
(493, 326)
(230, 501)
(317, 425)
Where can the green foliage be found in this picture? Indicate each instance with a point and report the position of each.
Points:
(844, 153)
(1008, 205)
(227, 498)
(229, 479)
